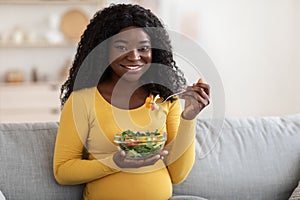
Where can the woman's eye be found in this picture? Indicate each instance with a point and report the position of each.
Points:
(122, 48)
(144, 48)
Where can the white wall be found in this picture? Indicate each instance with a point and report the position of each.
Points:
(255, 47)
(253, 43)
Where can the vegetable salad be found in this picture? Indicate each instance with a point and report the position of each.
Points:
(140, 145)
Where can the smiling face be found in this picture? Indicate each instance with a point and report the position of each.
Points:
(130, 54)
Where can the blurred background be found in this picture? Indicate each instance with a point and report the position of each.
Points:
(255, 47)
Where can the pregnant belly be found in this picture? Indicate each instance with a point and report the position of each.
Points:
(128, 186)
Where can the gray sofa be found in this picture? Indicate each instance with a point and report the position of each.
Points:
(238, 158)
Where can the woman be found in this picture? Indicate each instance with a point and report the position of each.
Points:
(137, 65)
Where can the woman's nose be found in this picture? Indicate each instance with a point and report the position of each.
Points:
(134, 55)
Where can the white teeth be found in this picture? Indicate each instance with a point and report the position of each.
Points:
(132, 67)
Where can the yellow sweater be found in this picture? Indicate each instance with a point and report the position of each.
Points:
(88, 120)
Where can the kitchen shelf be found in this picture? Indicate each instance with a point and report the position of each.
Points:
(51, 84)
(71, 2)
(38, 45)
(34, 39)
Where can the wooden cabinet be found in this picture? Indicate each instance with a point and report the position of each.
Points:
(29, 102)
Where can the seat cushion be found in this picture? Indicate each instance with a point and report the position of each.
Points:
(186, 197)
(245, 158)
(26, 155)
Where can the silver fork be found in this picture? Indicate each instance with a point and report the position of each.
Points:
(172, 95)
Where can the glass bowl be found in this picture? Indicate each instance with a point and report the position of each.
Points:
(140, 145)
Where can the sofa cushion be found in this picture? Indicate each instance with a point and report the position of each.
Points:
(186, 197)
(251, 158)
(26, 154)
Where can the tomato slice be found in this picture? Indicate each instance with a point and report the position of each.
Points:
(130, 143)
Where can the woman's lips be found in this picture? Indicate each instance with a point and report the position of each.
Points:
(132, 67)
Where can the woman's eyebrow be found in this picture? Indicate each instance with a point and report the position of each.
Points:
(122, 41)
(126, 42)
(144, 41)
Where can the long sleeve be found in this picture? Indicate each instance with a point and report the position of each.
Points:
(181, 146)
(68, 166)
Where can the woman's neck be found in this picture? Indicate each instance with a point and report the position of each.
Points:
(123, 94)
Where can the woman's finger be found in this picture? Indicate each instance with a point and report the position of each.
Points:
(152, 160)
(194, 92)
(201, 92)
(123, 153)
(197, 98)
(200, 80)
(198, 87)
(204, 87)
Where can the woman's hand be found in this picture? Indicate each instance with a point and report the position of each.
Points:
(196, 98)
(123, 162)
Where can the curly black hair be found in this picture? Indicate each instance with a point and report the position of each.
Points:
(163, 79)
